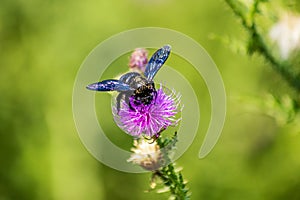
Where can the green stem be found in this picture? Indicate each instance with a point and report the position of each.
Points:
(172, 179)
(257, 44)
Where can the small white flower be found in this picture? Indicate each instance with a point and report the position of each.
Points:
(147, 155)
(286, 33)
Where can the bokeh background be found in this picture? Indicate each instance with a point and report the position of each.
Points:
(42, 45)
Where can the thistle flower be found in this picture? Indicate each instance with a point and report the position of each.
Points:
(148, 119)
(147, 155)
(138, 59)
(286, 33)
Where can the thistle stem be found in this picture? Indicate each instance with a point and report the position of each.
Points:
(172, 179)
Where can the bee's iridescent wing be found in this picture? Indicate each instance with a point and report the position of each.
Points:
(156, 61)
(109, 85)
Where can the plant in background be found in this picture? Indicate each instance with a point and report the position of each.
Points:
(285, 34)
(145, 112)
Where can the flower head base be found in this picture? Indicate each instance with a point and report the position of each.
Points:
(147, 155)
(148, 119)
(138, 59)
(286, 33)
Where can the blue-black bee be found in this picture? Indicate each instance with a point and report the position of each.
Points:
(139, 86)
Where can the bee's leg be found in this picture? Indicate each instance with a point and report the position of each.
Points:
(156, 136)
(124, 95)
(118, 100)
(154, 92)
(127, 100)
(131, 108)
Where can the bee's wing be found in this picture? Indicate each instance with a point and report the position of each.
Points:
(109, 85)
(156, 61)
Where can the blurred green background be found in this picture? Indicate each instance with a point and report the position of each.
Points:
(42, 45)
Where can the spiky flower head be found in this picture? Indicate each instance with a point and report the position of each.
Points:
(148, 120)
(147, 155)
(138, 59)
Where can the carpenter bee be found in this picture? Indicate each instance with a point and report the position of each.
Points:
(139, 86)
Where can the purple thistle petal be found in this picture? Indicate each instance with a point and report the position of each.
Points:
(148, 120)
